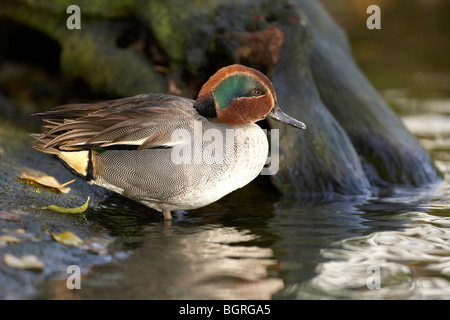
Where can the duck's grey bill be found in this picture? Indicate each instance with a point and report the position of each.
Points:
(277, 114)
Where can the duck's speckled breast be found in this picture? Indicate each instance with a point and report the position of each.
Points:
(210, 160)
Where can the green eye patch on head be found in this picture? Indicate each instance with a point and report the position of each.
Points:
(237, 86)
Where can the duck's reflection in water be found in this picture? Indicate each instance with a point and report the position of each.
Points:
(173, 262)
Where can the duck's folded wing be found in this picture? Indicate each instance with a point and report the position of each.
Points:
(144, 121)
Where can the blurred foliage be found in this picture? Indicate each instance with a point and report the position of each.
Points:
(409, 51)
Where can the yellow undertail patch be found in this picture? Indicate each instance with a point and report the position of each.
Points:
(78, 160)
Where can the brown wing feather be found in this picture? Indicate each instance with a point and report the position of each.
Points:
(141, 121)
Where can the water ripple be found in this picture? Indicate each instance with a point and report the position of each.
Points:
(413, 263)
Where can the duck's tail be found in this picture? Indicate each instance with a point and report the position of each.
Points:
(76, 160)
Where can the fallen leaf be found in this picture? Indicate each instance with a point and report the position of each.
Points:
(14, 230)
(97, 245)
(79, 209)
(47, 181)
(30, 262)
(6, 215)
(10, 239)
(68, 238)
(17, 236)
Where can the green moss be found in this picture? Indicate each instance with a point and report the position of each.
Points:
(90, 55)
(166, 20)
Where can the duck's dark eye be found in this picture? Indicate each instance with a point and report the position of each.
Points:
(256, 92)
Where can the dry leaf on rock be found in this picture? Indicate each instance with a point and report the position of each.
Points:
(6, 215)
(97, 245)
(79, 209)
(10, 239)
(18, 236)
(47, 181)
(30, 262)
(68, 238)
(19, 230)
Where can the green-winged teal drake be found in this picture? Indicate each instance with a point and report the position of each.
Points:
(158, 149)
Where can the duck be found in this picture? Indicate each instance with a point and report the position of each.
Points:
(169, 152)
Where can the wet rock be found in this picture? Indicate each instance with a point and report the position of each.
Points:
(25, 228)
